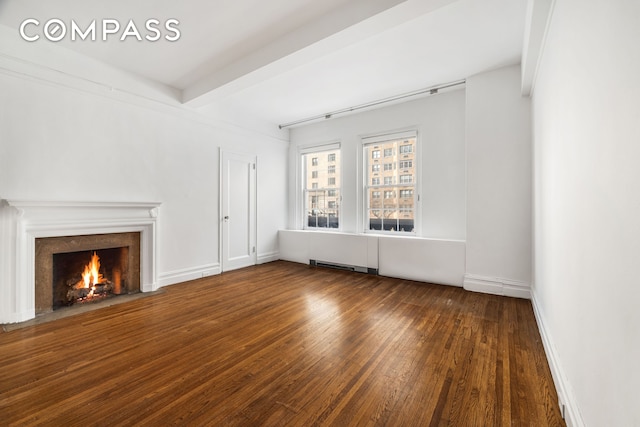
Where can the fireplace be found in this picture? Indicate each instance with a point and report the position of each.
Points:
(28, 229)
(73, 284)
(71, 270)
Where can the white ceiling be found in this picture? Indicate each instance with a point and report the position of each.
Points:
(283, 60)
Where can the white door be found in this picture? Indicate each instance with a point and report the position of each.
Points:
(238, 215)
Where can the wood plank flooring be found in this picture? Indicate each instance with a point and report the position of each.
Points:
(284, 344)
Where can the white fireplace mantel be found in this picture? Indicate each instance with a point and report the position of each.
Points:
(21, 222)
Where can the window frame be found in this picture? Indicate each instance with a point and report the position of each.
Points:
(400, 208)
(319, 153)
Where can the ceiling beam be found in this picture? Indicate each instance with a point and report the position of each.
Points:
(356, 21)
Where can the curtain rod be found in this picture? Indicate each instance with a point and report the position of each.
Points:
(430, 90)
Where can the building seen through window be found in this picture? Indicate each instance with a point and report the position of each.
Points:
(395, 182)
(322, 188)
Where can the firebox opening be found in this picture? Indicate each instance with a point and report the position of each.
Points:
(89, 276)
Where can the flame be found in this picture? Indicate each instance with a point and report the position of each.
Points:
(91, 274)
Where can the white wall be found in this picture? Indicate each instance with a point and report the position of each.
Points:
(439, 121)
(62, 143)
(498, 184)
(587, 208)
(475, 182)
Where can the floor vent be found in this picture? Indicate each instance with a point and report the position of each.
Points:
(338, 266)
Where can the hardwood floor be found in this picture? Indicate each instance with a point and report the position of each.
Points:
(284, 344)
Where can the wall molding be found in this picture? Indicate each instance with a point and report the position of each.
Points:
(186, 274)
(130, 90)
(566, 396)
(538, 21)
(268, 257)
(192, 273)
(497, 286)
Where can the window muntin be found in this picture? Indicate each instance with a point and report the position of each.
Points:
(321, 203)
(390, 203)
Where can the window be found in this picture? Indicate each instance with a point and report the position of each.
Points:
(390, 207)
(406, 149)
(375, 168)
(321, 209)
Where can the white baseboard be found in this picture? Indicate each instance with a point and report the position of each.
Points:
(18, 317)
(497, 286)
(566, 397)
(268, 257)
(149, 287)
(186, 274)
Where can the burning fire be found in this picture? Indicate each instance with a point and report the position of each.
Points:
(91, 274)
(92, 284)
